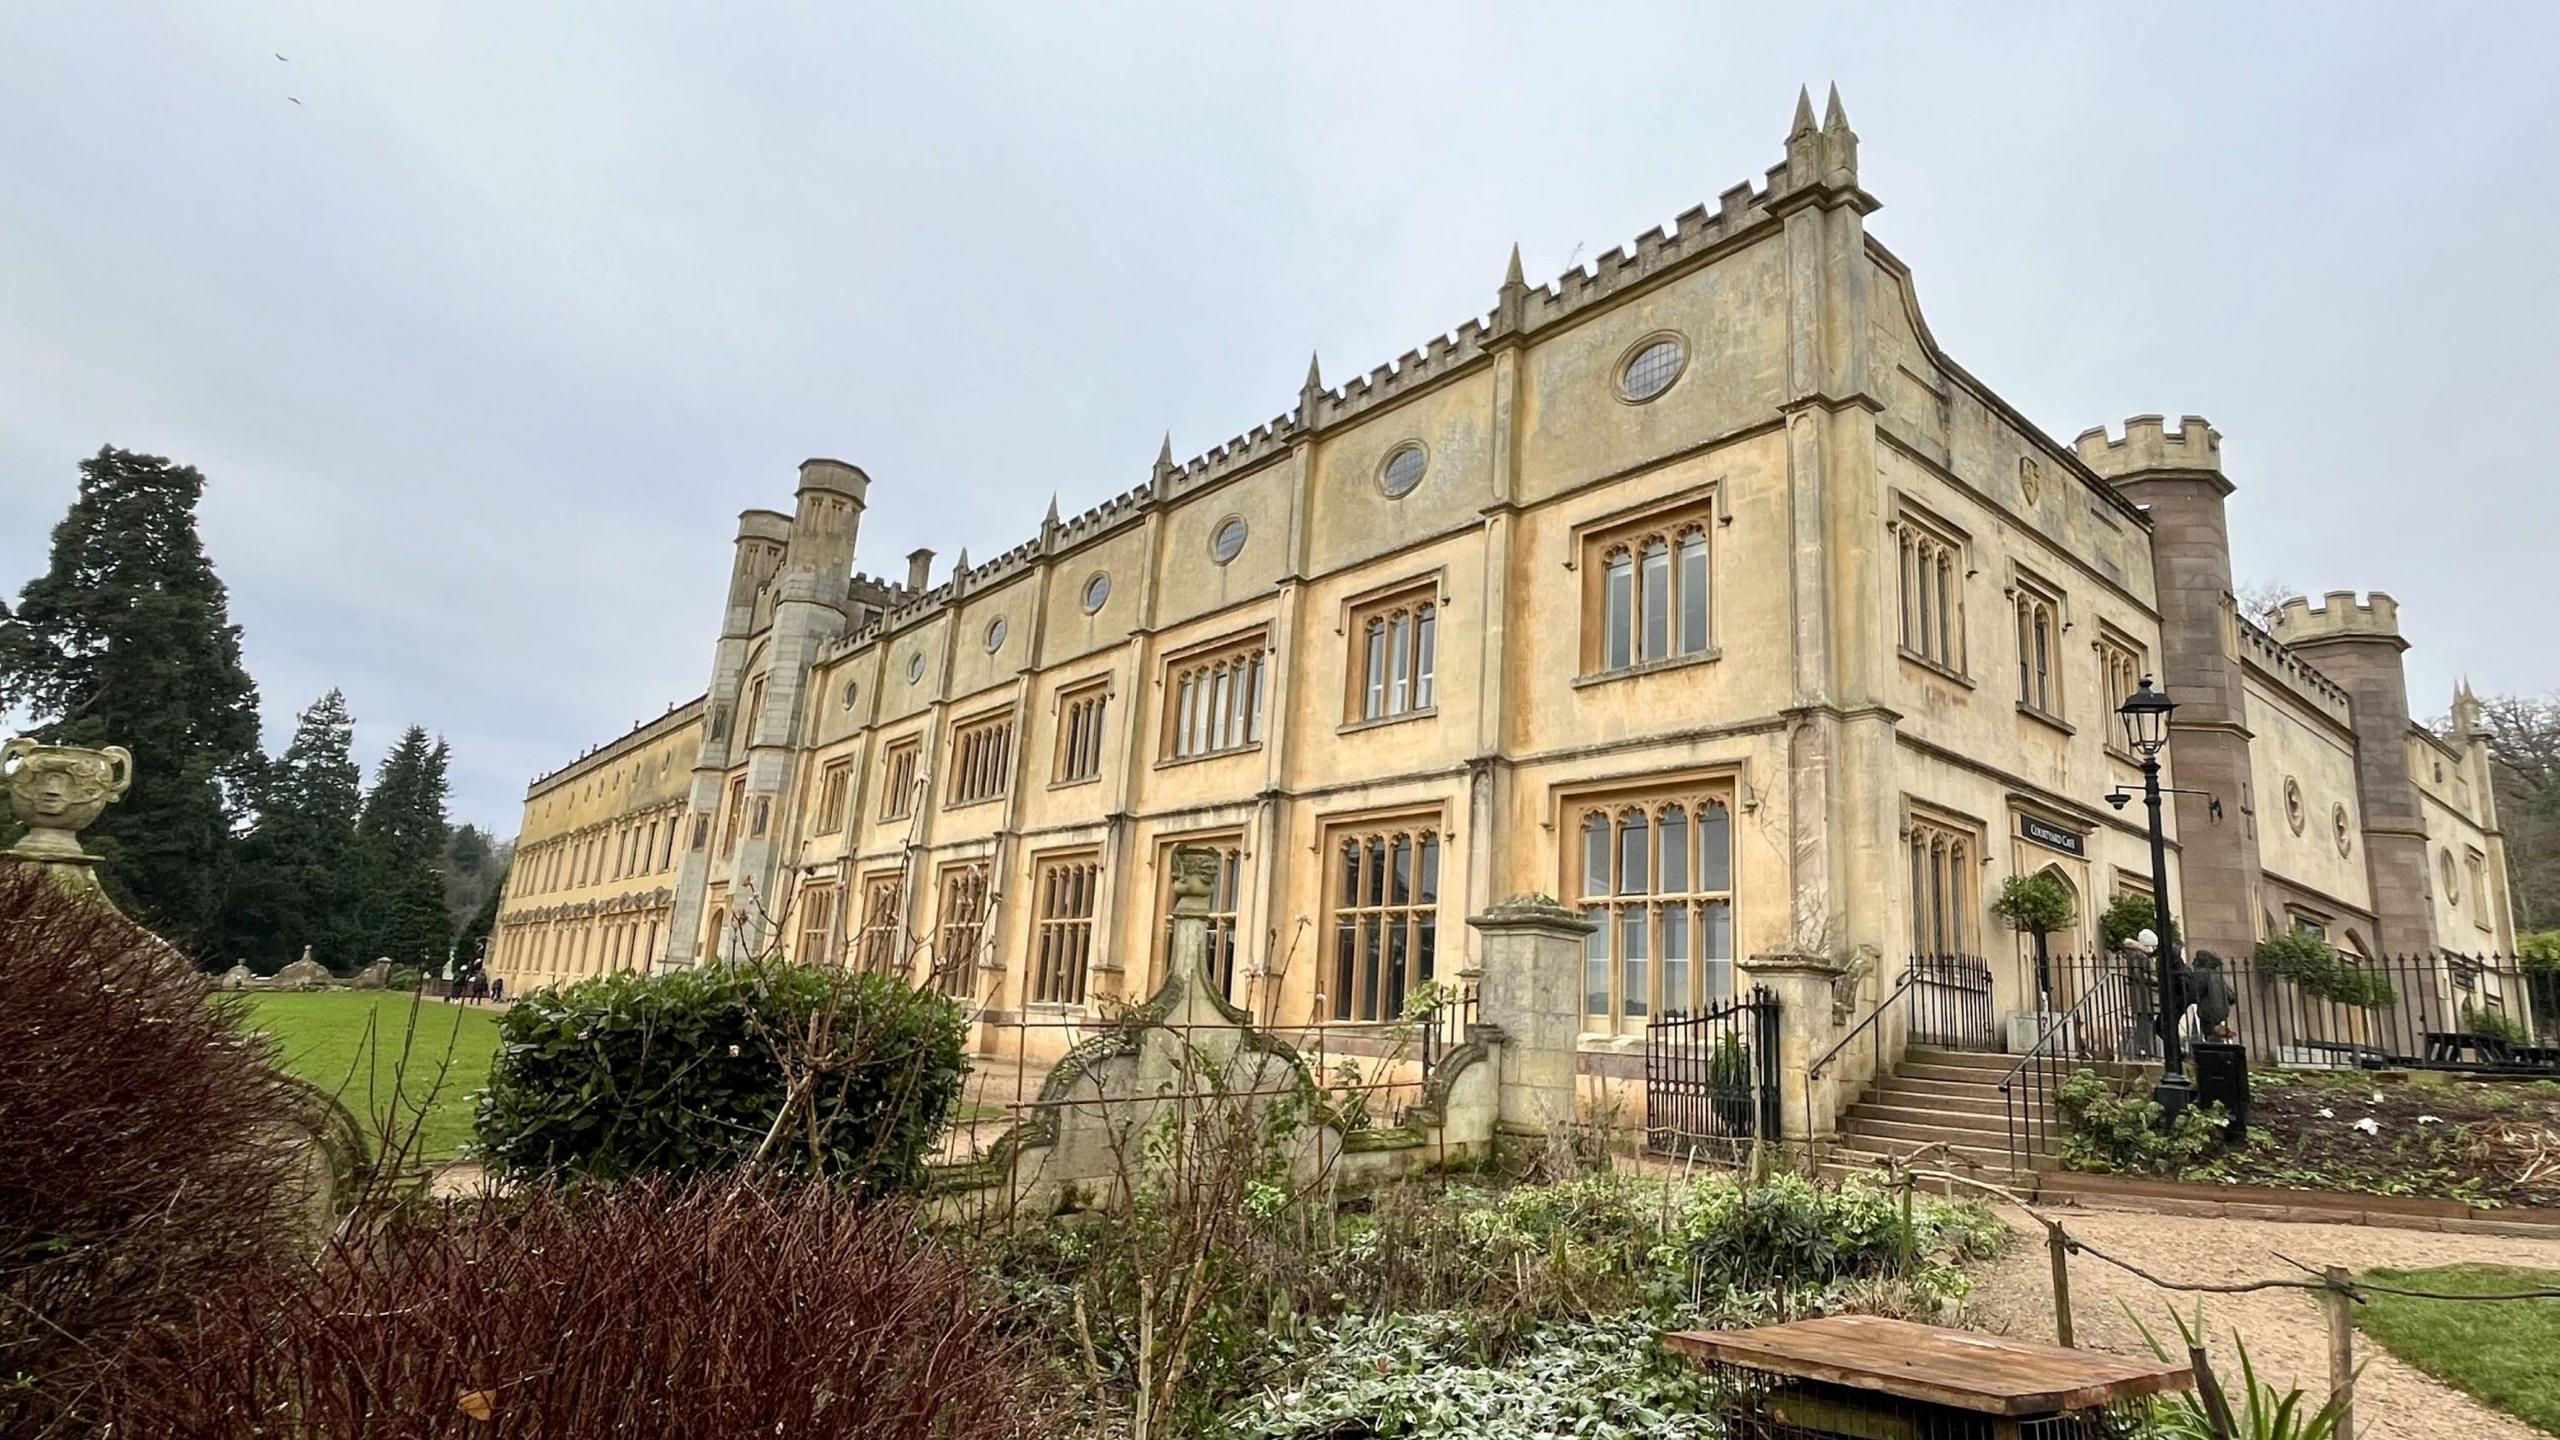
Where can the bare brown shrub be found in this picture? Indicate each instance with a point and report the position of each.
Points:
(145, 1145)
(719, 1307)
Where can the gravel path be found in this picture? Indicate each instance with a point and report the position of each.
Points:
(2286, 1337)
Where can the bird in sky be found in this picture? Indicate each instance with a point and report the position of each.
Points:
(295, 101)
(280, 57)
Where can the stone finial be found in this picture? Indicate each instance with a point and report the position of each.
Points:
(1164, 462)
(1839, 144)
(57, 791)
(1511, 302)
(2468, 720)
(1310, 392)
(1195, 875)
(1804, 163)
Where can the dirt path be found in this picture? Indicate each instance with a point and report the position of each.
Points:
(2283, 1328)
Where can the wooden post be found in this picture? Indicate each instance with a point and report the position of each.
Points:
(2338, 1301)
(2060, 1249)
(1910, 1183)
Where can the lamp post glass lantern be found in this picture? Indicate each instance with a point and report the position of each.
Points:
(2146, 731)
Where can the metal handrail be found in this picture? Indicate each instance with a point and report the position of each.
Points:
(2060, 1023)
(2043, 1049)
(1900, 987)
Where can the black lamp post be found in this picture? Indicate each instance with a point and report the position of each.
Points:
(2146, 729)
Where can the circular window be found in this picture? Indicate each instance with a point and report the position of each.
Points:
(1403, 469)
(995, 635)
(2293, 815)
(2338, 822)
(1227, 540)
(1096, 591)
(1655, 363)
(915, 668)
(852, 692)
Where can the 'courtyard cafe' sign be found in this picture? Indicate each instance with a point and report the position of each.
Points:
(2052, 837)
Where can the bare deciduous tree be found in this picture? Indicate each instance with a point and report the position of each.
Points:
(2524, 767)
(2261, 601)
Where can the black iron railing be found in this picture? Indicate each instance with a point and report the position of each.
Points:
(1951, 1003)
(1949, 998)
(1445, 1027)
(1711, 1079)
(2483, 1013)
(2438, 1012)
(2097, 1025)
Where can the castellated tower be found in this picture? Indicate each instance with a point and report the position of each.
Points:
(2358, 645)
(788, 597)
(2177, 476)
(809, 611)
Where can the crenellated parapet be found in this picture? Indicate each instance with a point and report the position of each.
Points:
(596, 757)
(2340, 616)
(2149, 445)
(1821, 161)
(1125, 508)
(2296, 674)
(1266, 441)
(1440, 355)
(1689, 234)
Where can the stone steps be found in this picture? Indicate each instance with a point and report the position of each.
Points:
(1870, 1117)
(1954, 1099)
(1946, 1103)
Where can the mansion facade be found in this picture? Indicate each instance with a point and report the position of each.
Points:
(1699, 588)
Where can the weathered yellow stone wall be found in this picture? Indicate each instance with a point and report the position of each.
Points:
(2308, 874)
(2472, 915)
(591, 886)
(1812, 418)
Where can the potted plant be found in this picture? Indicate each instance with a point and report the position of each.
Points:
(2129, 915)
(1729, 1075)
(2036, 905)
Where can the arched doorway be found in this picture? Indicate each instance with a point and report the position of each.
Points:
(2050, 985)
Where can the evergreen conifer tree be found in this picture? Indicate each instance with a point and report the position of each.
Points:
(299, 873)
(402, 833)
(127, 640)
(473, 865)
(473, 943)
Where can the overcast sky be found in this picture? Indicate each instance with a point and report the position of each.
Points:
(484, 342)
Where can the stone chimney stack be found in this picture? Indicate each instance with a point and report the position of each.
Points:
(829, 518)
(763, 538)
(919, 569)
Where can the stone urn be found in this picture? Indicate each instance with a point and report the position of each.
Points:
(57, 790)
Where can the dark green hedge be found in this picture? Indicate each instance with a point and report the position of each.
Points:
(683, 1073)
(2312, 964)
(2129, 915)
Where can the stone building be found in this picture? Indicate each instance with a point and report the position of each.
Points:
(1698, 587)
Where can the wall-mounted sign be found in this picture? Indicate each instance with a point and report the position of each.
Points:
(2052, 837)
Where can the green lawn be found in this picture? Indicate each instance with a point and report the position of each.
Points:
(2501, 1354)
(352, 1043)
